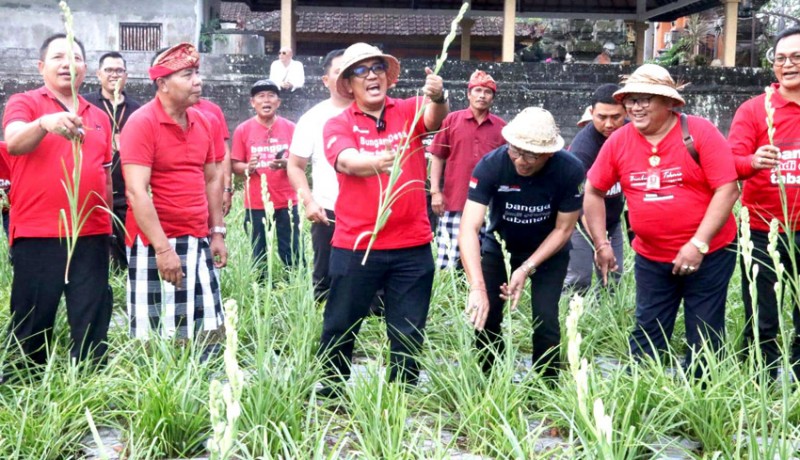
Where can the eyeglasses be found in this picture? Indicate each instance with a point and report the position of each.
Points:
(630, 102)
(780, 60)
(114, 71)
(516, 153)
(284, 52)
(362, 71)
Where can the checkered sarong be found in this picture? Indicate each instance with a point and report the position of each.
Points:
(153, 305)
(448, 254)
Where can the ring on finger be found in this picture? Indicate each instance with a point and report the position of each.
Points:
(691, 268)
(684, 267)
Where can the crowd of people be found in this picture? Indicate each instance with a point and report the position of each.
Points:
(163, 169)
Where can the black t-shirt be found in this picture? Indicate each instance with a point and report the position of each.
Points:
(118, 120)
(586, 146)
(523, 210)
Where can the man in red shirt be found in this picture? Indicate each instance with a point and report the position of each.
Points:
(39, 128)
(219, 125)
(5, 185)
(680, 209)
(260, 148)
(362, 143)
(167, 148)
(464, 138)
(760, 163)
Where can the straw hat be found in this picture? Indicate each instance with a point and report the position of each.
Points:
(651, 79)
(586, 117)
(534, 130)
(361, 51)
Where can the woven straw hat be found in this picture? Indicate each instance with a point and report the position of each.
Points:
(586, 117)
(534, 130)
(651, 79)
(358, 52)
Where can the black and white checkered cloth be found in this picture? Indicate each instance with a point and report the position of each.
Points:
(157, 305)
(448, 254)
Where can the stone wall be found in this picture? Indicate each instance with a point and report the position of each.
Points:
(714, 93)
(96, 22)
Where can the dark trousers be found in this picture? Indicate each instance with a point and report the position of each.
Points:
(406, 276)
(658, 297)
(321, 236)
(767, 302)
(117, 248)
(5, 222)
(287, 230)
(545, 293)
(39, 266)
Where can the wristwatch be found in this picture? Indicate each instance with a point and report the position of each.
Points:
(442, 99)
(528, 267)
(701, 246)
(221, 230)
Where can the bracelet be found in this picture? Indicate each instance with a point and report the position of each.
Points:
(227, 190)
(40, 125)
(601, 246)
(164, 251)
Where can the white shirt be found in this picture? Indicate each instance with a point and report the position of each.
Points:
(294, 73)
(307, 143)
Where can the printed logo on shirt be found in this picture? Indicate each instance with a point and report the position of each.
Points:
(356, 129)
(523, 214)
(508, 188)
(581, 187)
(615, 190)
(331, 141)
(4, 184)
(788, 168)
(473, 182)
(670, 177)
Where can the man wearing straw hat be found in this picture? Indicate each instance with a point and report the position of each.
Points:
(465, 137)
(362, 143)
(175, 229)
(680, 195)
(606, 116)
(533, 190)
(760, 162)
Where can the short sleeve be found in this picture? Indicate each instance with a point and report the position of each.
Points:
(303, 145)
(238, 147)
(716, 158)
(483, 182)
(743, 139)
(603, 174)
(440, 147)
(572, 198)
(137, 141)
(19, 108)
(337, 138)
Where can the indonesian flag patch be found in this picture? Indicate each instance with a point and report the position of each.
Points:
(473, 182)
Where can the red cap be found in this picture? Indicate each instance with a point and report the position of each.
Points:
(179, 57)
(481, 78)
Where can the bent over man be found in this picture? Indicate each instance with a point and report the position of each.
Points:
(533, 190)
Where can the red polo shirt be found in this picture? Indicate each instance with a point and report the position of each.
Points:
(38, 176)
(252, 138)
(177, 160)
(761, 193)
(667, 217)
(357, 205)
(218, 124)
(462, 141)
(5, 173)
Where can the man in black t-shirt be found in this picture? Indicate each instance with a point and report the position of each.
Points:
(534, 192)
(608, 115)
(112, 73)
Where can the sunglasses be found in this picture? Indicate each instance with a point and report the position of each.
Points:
(379, 68)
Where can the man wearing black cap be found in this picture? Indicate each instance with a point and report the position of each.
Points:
(260, 149)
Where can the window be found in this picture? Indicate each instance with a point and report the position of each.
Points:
(139, 36)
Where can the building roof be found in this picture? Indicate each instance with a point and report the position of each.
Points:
(366, 23)
(642, 10)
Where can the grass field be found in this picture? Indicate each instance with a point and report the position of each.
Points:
(156, 392)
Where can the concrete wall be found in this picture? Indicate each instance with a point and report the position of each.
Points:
(714, 93)
(27, 23)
